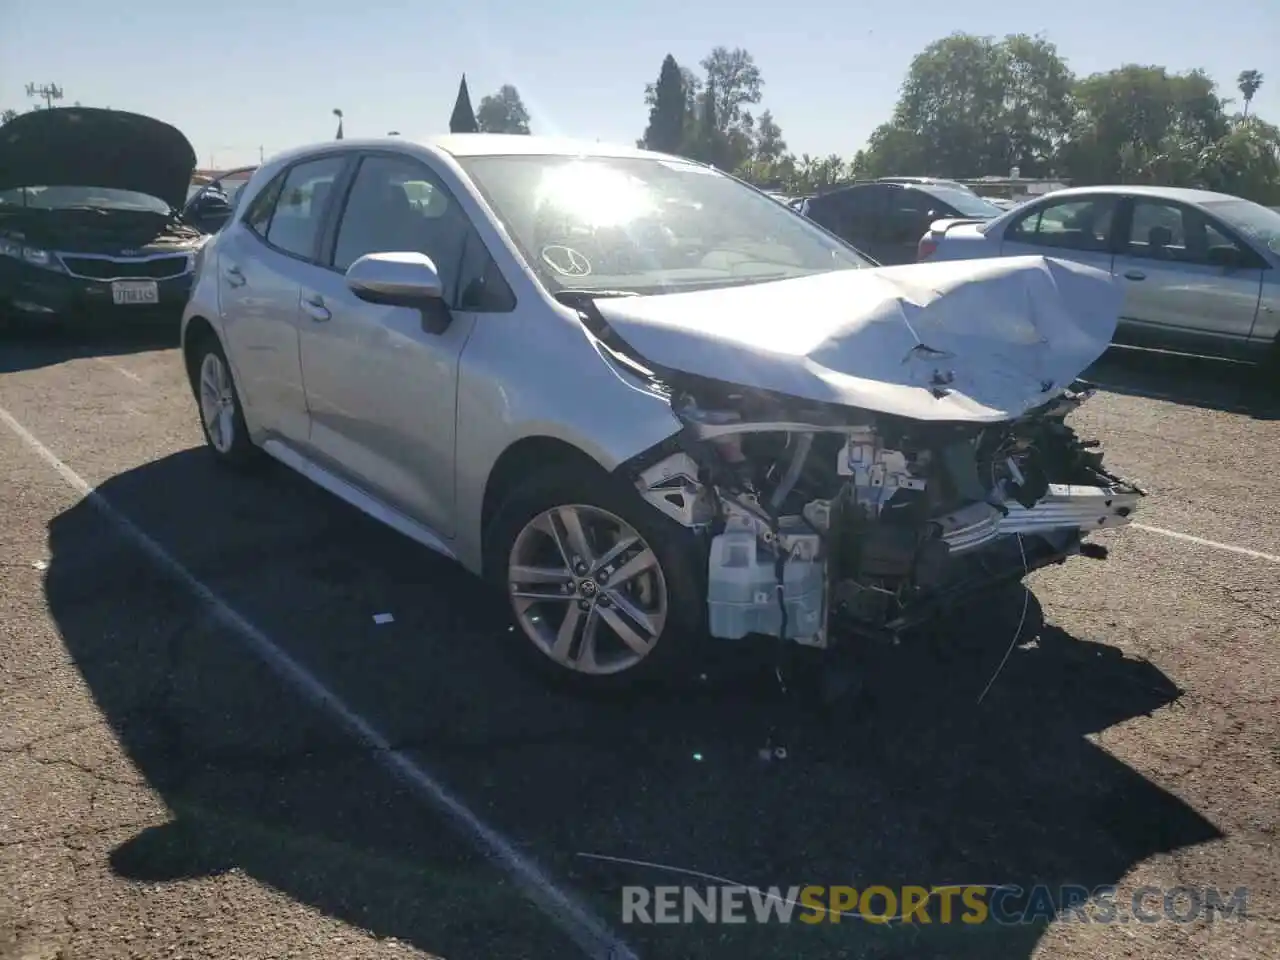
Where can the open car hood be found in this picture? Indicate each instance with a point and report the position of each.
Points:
(90, 147)
(976, 340)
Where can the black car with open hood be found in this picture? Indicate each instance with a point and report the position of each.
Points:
(91, 228)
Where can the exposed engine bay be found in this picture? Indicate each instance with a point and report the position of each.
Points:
(97, 230)
(815, 515)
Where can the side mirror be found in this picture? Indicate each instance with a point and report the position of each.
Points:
(401, 280)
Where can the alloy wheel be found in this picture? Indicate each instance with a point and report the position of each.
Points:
(587, 589)
(217, 402)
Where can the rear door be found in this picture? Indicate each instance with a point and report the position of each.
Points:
(1078, 227)
(262, 258)
(906, 219)
(1172, 266)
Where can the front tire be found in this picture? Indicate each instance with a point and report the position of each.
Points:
(218, 400)
(605, 591)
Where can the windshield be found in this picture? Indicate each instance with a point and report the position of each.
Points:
(73, 198)
(968, 204)
(1260, 223)
(648, 225)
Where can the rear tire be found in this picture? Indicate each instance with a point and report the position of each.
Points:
(1269, 370)
(218, 403)
(606, 592)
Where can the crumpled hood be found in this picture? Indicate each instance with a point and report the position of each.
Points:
(91, 147)
(975, 340)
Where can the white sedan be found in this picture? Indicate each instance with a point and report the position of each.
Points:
(1200, 270)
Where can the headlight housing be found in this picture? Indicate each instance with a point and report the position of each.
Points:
(32, 255)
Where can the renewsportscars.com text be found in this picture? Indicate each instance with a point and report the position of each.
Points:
(970, 904)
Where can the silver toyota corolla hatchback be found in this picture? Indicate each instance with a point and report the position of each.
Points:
(651, 404)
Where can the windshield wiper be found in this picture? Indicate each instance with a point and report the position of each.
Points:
(576, 298)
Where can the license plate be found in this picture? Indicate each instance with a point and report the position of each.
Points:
(129, 292)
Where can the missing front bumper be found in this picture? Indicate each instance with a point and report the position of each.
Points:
(1065, 507)
(750, 594)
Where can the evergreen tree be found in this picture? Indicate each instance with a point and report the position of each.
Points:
(464, 118)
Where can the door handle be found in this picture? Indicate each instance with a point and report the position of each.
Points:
(234, 276)
(1134, 275)
(315, 308)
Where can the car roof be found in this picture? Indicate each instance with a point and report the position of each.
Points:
(482, 145)
(1183, 194)
(508, 144)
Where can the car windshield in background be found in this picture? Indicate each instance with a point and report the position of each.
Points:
(648, 225)
(79, 198)
(1260, 223)
(969, 204)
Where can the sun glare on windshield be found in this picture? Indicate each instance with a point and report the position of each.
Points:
(595, 195)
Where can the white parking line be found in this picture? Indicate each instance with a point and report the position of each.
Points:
(586, 930)
(1228, 547)
(123, 371)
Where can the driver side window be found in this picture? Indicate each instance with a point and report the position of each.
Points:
(397, 205)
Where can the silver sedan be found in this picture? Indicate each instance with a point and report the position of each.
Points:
(646, 401)
(1200, 270)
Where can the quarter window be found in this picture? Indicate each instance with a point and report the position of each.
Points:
(299, 213)
(258, 216)
(397, 205)
(1080, 223)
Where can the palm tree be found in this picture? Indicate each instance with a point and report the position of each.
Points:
(1248, 83)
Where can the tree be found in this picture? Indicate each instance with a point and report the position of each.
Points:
(769, 146)
(891, 149)
(667, 111)
(769, 163)
(463, 119)
(504, 112)
(1245, 162)
(1142, 124)
(8, 115)
(1248, 83)
(973, 105)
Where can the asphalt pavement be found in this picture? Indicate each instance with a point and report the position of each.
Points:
(210, 748)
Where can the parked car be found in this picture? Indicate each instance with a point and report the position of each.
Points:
(1200, 270)
(886, 219)
(646, 402)
(929, 181)
(89, 226)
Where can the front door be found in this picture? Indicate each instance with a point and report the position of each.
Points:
(382, 391)
(1183, 276)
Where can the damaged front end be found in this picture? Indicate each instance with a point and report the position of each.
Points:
(815, 516)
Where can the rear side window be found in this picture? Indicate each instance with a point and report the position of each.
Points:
(299, 212)
(845, 211)
(910, 213)
(1076, 223)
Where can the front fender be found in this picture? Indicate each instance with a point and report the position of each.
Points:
(544, 375)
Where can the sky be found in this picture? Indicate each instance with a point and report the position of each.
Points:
(242, 75)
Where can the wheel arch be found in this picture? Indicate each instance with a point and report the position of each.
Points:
(195, 331)
(520, 460)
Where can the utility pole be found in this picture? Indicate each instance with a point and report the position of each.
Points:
(49, 92)
(259, 156)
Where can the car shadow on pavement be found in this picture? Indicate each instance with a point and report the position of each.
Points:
(1206, 382)
(31, 349)
(908, 782)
